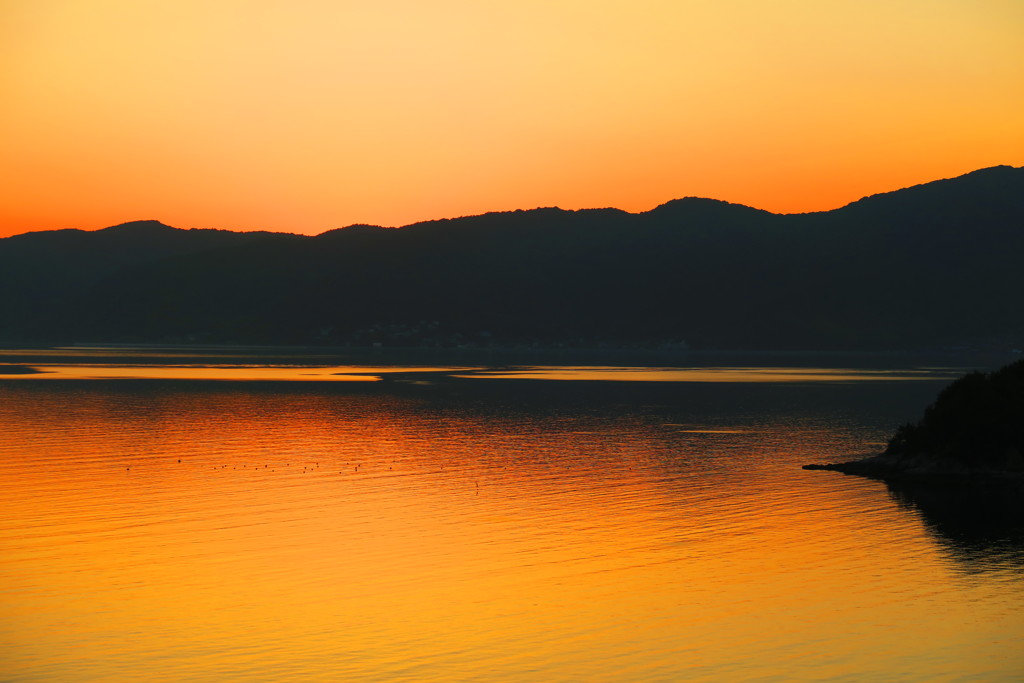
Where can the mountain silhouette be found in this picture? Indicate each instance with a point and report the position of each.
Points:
(934, 265)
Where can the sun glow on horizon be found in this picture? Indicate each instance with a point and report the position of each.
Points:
(302, 118)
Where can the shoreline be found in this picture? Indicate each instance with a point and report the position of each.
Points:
(922, 467)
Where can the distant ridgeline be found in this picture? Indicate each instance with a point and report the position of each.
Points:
(932, 265)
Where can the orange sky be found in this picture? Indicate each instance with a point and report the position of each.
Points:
(304, 116)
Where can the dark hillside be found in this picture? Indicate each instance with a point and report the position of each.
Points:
(977, 420)
(975, 428)
(933, 265)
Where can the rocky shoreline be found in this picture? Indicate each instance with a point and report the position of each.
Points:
(902, 467)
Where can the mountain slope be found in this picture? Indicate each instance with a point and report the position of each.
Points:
(935, 264)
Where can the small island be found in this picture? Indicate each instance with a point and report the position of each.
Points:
(975, 427)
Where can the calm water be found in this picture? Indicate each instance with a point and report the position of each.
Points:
(482, 524)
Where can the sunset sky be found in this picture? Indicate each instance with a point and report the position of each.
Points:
(308, 115)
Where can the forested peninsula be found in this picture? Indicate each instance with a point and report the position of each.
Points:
(974, 427)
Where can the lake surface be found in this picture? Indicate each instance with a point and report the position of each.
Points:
(226, 517)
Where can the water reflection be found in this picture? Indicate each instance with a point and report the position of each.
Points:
(423, 366)
(979, 521)
(712, 374)
(472, 529)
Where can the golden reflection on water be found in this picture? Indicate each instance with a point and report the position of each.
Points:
(307, 372)
(222, 534)
(259, 373)
(262, 372)
(710, 374)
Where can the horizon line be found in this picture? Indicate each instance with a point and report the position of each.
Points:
(522, 210)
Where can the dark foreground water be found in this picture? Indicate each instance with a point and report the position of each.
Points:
(519, 524)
